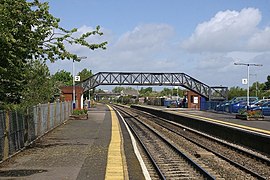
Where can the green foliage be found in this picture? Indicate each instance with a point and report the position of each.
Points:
(257, 89)
(251, 113)
(146, 92)
(117, 89)
(236, 91)
(267, 83)
(38, 88)
(125, 100)
(166, 92)
(29, 32)
(28, 29)
(79, 111)
(85, 74)
(62, 78)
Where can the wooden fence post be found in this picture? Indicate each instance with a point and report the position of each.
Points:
(6, 140)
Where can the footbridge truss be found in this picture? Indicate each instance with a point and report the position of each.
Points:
(155, 79)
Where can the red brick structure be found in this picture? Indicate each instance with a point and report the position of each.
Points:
(67, 94)
(194, 100)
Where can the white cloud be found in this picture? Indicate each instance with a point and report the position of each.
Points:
(215, 63)
(260, 41)
(147, 37)
(226, 31)
(150, 47)
(145, 48)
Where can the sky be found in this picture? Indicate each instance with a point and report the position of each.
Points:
(200, 38)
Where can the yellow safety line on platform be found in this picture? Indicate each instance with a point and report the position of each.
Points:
(227, 123)
(115, 167)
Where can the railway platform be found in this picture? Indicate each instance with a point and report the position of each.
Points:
(253, 134)
(101, 147)
(261, 126)
(96, 148)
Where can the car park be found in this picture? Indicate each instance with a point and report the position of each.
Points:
(235, 104)
(259, 103)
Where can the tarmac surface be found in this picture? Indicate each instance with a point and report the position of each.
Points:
(77, 149)
(263, 125)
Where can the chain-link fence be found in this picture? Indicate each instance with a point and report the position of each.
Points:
(19, 128)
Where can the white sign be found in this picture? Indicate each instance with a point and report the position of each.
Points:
(77, 78)
(244, 81)
(195, 100)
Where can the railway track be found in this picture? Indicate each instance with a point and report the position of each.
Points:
(208, 150)
(168, 161)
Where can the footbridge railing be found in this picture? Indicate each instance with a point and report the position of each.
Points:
(155, 79)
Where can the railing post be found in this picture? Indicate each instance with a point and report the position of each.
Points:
(65, 110)
(27, 132)
(54, 116)
(48, 117)
(60, 112)
(6, 135)
(70, 109)
(39, 120)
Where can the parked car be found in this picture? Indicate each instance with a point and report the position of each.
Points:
(259, 103)
(235, 104)
(235, 107)
(265, 108)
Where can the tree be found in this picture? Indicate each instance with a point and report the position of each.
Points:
(256, 89)
(62, 78)
(146, 92)
(85, 74)
(267, 83)
(29, 32)
(39, 88)
(117, 89)
(166, 92)
(236, 91)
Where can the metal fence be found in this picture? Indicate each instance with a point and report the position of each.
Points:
(221, 106)
(19, 128)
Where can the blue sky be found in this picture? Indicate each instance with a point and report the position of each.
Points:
(200, 38)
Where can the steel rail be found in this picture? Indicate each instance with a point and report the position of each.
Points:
(150, 157)
(217, 154)
(212, 151)
(189, 160)
(264, 160)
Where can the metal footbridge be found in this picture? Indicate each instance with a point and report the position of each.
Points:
(155, 79)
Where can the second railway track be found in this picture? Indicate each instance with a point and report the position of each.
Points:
(169, 161)
(217, 158)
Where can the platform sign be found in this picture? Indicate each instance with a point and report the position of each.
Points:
(244, 81)
(196, 100)
(77, 78)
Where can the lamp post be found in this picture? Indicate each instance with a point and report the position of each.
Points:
(248, 64)
(73, 82)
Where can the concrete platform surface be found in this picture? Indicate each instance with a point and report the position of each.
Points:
(262, 126)
(77, 149)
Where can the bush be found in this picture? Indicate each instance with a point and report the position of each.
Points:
(251, 113)
(79, 111)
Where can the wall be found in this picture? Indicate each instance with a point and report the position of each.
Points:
(194, 100)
